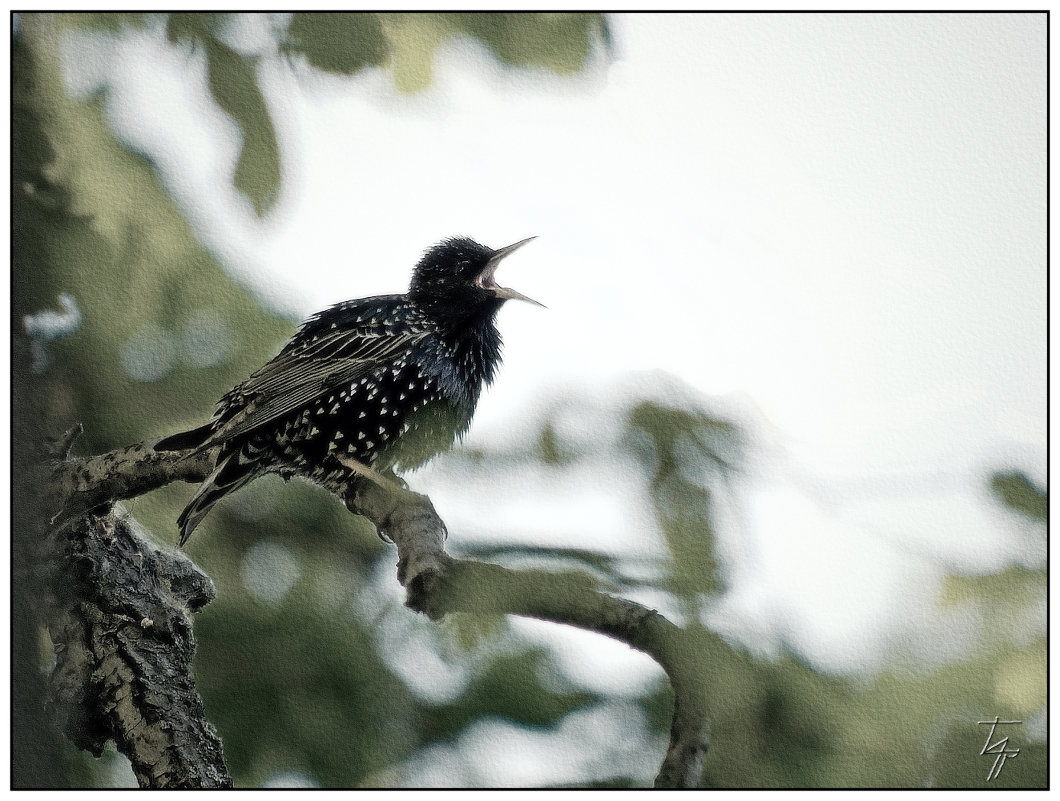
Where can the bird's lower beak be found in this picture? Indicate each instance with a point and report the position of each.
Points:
(487, 281)
(511, 294)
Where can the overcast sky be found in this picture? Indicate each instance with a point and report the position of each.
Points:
(836, 223)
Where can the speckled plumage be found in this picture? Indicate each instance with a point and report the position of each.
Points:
(385, 382)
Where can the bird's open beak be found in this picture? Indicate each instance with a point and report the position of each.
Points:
(487, 281)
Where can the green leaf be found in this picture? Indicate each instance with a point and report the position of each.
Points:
(233, 85)
(339, 43)
(104, 21)
(559, 42)
(688, 455)
(193, 28)
(1014, 489)
(510, 687)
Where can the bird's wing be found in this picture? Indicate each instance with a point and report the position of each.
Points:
(312, 364)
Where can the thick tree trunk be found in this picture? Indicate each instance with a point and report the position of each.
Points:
(123, 640)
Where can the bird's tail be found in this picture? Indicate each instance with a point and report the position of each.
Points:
(186, 440)
(233, 471)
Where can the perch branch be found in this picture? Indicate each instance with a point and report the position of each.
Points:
(436, 583)
(84, 484)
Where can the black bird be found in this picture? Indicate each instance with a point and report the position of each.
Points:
(364, 387)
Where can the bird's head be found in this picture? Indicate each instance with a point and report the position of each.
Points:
(457, 275)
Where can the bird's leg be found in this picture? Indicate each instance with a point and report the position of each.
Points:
(387, 480)
(395, 478)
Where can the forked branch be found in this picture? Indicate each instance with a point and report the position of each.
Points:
(437, 584)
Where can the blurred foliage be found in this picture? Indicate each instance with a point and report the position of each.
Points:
(234, 87)
(511, 687)
(336, 42)
(345, 44)
(691, 452)
(778, 723)
(301, 679)
(1018, 492)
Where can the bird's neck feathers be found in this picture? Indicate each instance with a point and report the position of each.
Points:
(463, 317)
(472, 340)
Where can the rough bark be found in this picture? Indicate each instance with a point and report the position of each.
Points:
(124, 644)
(122, 684)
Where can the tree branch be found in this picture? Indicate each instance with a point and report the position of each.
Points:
(119, 621)
(436, 583)
(84, 484)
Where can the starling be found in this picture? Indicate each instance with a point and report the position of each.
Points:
(365, 387)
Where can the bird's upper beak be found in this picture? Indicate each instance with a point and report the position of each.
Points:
(486, 280)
